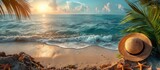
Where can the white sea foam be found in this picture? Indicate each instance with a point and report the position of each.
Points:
(84, 41)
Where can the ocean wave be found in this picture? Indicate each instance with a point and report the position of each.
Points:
(84, 41)
(67, 31)
(76, 42)
(16, 39)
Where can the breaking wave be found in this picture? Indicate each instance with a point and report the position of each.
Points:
(67, 31)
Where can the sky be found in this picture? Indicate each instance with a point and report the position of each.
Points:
(78, 6)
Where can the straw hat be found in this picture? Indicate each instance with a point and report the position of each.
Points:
(135, 47)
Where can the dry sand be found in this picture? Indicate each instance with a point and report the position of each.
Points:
(60, 57)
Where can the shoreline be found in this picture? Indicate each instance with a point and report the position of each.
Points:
(58, 57)
(55, 57)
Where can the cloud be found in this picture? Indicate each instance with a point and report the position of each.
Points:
(96, 9)
(53, 4)
(74, 6)
(106, 7)
(87, 8)
(120, 7)
(67, 7)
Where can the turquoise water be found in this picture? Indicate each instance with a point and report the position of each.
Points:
(67, 31)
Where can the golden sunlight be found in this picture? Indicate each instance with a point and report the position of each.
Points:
(43, 15)
(45, 51)
(43, 8)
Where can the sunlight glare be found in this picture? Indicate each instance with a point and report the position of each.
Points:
(45, 51)
(43, 8)
(43, 15)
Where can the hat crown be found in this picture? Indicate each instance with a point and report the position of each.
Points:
(134, 45)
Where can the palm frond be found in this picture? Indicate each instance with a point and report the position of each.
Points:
(132, 17)
(18, 7)
(135, 28)
(149, 2)
(135, 8)
(144, 1)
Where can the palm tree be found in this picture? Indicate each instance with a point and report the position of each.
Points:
(18, 7)
(144, 17)
(150, 2)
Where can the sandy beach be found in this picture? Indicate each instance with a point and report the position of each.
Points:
(59, 57)
(54, 56)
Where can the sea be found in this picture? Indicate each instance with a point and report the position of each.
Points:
(65, 30)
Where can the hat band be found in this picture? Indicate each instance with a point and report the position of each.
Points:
(139, 52)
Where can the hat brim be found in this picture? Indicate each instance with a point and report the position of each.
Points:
(146, 52)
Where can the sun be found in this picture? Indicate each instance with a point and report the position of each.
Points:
(43, 8)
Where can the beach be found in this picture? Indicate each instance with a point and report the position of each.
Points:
(59, 57)
(79, 35)
(62, 40)
(59, 41)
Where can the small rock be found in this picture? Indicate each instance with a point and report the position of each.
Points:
(2, 54)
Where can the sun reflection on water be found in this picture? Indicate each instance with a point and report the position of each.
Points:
(44, 23)
(44, 15)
